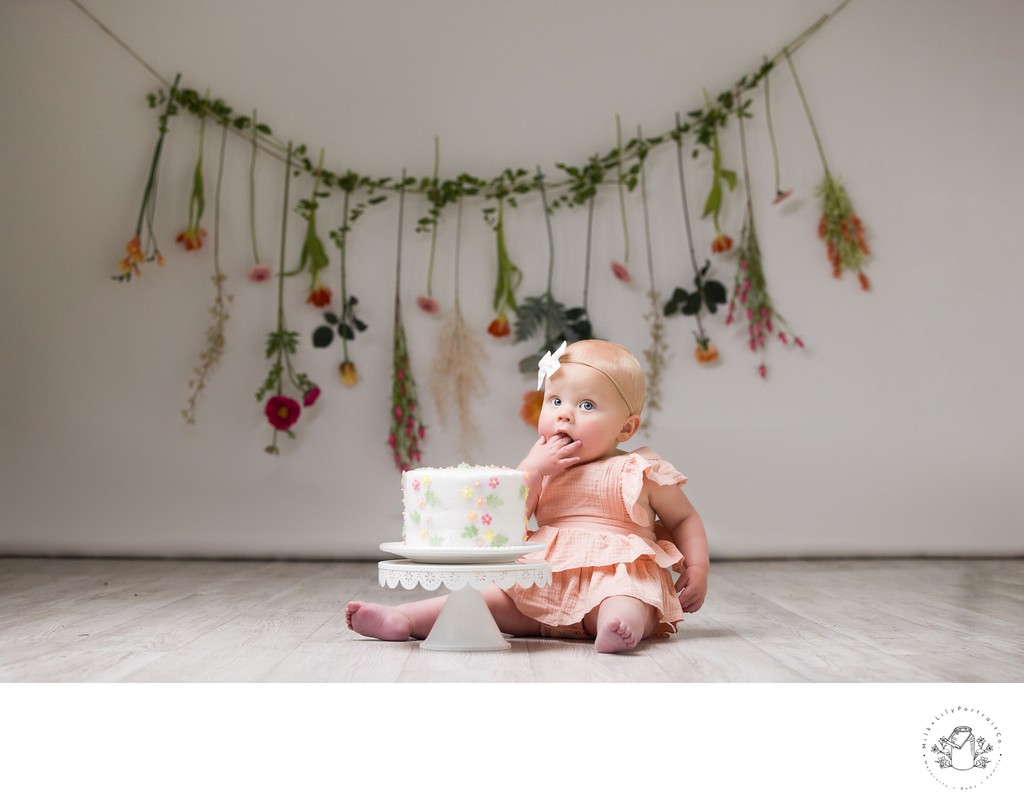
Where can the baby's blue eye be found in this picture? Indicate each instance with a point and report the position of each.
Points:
(587, 405)
(556, 401)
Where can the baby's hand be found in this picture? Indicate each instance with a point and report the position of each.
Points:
(692, 587)
(549, 456)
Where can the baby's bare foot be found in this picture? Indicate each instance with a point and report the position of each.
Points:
(614, 637)
(377, 621)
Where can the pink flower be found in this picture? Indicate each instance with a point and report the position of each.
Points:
(260, 273)
(487, 519)
(621, 271)
(782, 196)
(763, 371)
(311, 396)
(493, 483)
(282, 412)
(428, 304)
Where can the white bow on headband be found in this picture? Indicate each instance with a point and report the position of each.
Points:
(549, 364)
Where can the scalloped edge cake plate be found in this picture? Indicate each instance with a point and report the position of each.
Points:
(462, 556)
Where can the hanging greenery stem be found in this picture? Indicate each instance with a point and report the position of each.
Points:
(655, 354)
(136, 252)
(620, 269)
(428, 303)
(282, 411)
(750, 289)
(707, 293)
(193, 235)
(839, 226)
(407, 430)
(457, 369)
(215, 340)
(780, 195)
(313, 258)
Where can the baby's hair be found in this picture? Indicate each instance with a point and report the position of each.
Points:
(618, 364)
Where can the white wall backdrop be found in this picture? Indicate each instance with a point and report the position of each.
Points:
(897, 431)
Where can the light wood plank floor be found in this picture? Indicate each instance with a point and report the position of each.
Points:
(868, 620)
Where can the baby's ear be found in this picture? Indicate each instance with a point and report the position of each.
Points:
(629, 428)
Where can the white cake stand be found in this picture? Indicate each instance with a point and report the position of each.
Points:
(465, 624)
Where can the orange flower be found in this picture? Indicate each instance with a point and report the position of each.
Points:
(533, 401)
(192, 238)
(319, 296)
(499, 326)
(348, 373)
(721, 244)
(133, 258)
(706, 352)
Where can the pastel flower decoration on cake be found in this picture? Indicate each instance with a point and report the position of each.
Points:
(549, 364)
(487, 519)
(467, 492)
(493, 483)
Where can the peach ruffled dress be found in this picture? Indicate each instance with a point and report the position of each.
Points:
(600, 542)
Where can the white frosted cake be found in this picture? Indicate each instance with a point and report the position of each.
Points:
(464, 507)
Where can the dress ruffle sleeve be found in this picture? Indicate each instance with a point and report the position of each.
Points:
(643, 464)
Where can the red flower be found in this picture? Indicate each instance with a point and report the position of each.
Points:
(319, 296)
(282, 412)
(499, 326)
(721, 244)
(192, 238)
(309, 399)
(782, 196)
(621, 271)
(428, 304)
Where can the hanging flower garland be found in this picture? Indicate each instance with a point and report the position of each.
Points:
(407, 430)
(707, 293)
(751, 288)
(283, 411)
(215, 339)
(839, 227)
(137, 253)
(458, 365)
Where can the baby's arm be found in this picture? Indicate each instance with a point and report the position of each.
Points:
(549, 456)
(683, 522)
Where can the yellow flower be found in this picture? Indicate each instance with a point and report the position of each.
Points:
(348, 373)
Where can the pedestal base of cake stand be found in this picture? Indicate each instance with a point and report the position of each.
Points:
(465, 624)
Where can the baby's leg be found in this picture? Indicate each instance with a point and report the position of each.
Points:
(394, 623)
(417, 618)
(619, 623)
